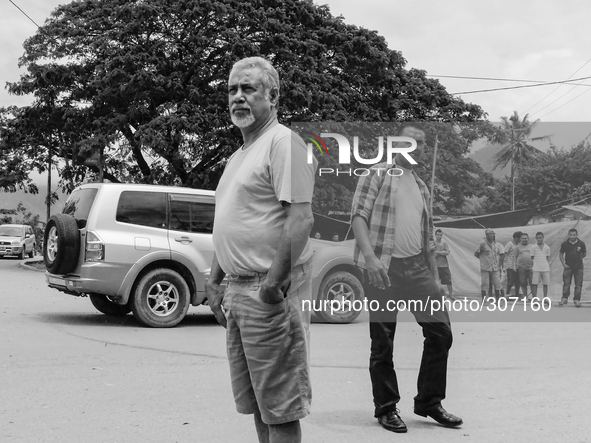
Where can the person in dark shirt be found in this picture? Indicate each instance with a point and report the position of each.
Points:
(572, 253)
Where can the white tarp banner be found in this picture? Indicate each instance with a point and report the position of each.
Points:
(465, 268)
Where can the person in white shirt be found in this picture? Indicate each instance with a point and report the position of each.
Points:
(540, 253)
(511, 265)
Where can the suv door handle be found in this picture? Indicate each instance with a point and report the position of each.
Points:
(183, 240)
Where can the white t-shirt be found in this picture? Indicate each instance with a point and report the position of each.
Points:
(408, 238)
(249, 217)
(539, 255)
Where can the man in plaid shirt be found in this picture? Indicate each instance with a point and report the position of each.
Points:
(393, 227)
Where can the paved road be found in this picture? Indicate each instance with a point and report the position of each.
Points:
(71, 374)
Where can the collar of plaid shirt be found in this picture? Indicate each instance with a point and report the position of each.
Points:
(374, 201)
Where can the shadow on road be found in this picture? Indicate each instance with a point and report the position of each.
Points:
(96, 319)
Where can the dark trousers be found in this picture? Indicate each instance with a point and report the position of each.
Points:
(567, 278)
(525, 276)
(512, 280)
(410, 280)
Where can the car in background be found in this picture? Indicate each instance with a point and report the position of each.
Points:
(148, 250)
(335, 278)
(134, 248)
(17, 239)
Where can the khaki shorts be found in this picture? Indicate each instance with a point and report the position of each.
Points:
(268, 348)
(543, 276)
(486, 277)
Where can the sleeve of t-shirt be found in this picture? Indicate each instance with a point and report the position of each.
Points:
(583, 249)
(445, 247)
(562, 248)
(501, 249)
(481, 246)
(291, 174)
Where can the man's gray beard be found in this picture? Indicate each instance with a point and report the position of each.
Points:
(243, 122)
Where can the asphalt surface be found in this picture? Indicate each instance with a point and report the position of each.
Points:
(71, 374)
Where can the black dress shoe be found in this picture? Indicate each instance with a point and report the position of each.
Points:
(392, 422)
(441, 416)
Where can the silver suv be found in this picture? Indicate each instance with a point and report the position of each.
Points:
(140, 248)
(17, 240)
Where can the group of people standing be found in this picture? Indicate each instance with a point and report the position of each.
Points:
(528, 265)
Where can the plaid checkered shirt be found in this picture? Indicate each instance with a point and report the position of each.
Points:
(374, 201)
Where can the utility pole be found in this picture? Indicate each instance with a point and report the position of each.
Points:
(433, 172)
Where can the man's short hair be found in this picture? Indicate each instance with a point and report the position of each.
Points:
(270, 77)
(573, 230)
(438, 231)
(517, 234)
(525, 233)
(409, 125)
(539, 233)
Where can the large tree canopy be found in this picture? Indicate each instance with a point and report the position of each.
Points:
(146, 82)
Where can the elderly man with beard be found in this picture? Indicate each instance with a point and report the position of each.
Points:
(262, 223)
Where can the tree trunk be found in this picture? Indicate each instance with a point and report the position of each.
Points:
(48, 198)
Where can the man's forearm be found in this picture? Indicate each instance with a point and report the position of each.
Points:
(361, 232)
(294, 237)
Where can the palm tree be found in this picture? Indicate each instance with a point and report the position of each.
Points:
(515, 135)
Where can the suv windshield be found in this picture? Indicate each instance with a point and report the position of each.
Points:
(79, 205)
(11, 231)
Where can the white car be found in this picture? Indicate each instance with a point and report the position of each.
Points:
(17, 240)
(336, 281)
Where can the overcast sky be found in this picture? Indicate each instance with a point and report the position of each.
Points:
(545, 40)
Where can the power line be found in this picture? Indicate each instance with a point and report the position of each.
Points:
(486, 78)
(519, 87)
(496, 79)
(24, 13)
(552, 92)
(555, 109)
(555, 100)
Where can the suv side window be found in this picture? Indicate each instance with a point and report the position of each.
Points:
(142, 208)
(191, 213)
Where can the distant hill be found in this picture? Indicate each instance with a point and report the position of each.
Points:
(33, 202)
(486, 158)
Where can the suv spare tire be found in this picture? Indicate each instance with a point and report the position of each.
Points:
(61, 244)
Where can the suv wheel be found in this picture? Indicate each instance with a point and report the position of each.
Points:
(61, 244)
(105, 305)
(160, 298)
(342, 287)
(32, 252)
(21, 255)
